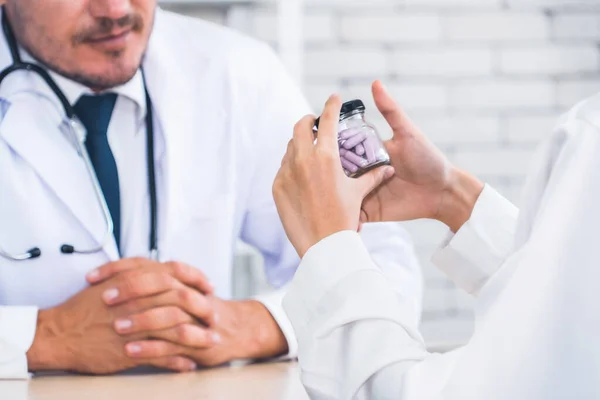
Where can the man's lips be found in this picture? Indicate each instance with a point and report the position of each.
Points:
(113, 41)
(111, 36)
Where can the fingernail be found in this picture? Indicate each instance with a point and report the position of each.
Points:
(134, 348)
(216, 318)
(93, 275)
(216, 338)
(193, 366)
(110, 294)
(123, 324)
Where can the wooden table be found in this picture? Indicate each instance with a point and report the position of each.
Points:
(261, 382)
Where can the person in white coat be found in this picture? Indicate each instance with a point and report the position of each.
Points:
(222, 108)
(535, 272)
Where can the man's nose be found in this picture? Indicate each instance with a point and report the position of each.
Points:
(111, 9)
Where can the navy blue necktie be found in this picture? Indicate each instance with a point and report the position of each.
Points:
(95, 112)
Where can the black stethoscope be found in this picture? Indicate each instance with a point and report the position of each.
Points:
(77, 130)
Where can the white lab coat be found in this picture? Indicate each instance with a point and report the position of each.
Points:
(537, 315)
(224, 110)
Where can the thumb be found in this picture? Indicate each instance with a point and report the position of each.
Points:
(391, 111)
(372, 179)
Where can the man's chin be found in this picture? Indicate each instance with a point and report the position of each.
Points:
(110, 78)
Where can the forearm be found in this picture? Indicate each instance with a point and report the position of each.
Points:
(459, 199)
(472, 255)
(45, 352)
(358, 337)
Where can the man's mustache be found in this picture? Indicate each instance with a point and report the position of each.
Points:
(107, 26)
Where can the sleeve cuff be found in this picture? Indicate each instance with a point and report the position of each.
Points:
(273, 302)
(478, 249)
(324, 266)
(17, 331)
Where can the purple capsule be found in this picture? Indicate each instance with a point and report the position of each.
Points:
(354, 140)
(370, 149)
(359, 149)
(354, 159)
(348, 133)
(348, 165)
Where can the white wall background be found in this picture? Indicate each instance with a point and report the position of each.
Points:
(485, 79)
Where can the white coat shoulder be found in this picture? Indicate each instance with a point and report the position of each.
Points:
(585, 112)
(192, 38)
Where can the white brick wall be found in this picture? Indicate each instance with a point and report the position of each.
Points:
(486, 80)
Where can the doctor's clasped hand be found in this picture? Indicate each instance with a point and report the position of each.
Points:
(138, 312)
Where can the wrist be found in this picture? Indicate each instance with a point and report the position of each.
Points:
(261, 338)
(459, 199)
(44, 353)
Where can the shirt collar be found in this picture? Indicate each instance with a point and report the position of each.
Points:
(133, 89)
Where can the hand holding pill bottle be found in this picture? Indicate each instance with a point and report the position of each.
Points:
(361, 148)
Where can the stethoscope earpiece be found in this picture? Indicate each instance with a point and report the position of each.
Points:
(67, 249)
(34, 253)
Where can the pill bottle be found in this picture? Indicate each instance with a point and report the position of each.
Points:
(361, 148)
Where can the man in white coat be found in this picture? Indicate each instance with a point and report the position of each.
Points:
(537, 280)
(223, 110)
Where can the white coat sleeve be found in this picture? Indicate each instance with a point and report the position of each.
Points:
(17, 330)
(473, 255)
(537, 318)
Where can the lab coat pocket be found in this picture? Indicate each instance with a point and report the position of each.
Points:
(206, 238)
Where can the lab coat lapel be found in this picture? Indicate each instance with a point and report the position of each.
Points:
(44, 147)
(171, 99)
(188, 106)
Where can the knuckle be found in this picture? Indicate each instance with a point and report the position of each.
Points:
(131, 285)
(185, 296)
(184, 334)
(172, 314)
(165, 280)
(176, 267)
(176, 363)
(143, 321)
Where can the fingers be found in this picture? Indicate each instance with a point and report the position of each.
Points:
(372, 179)
(189, 335)
(303, 135)
(183, 299)
(152, 320)
(153, 349)
(190, 276)
(174, 363)
(328, 124)
(137, 284)
(111, 269)
(184, 273)
(388, 107)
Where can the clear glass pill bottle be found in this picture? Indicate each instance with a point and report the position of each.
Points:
(361, 148)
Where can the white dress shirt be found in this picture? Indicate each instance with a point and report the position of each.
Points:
(219, 188)
(537, 282)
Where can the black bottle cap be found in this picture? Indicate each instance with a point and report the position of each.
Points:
(348, 108)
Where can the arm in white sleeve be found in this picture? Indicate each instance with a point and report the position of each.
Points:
(282, 105)
(277, 107)
(475, 253)
(537, 317)
(17, 330)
